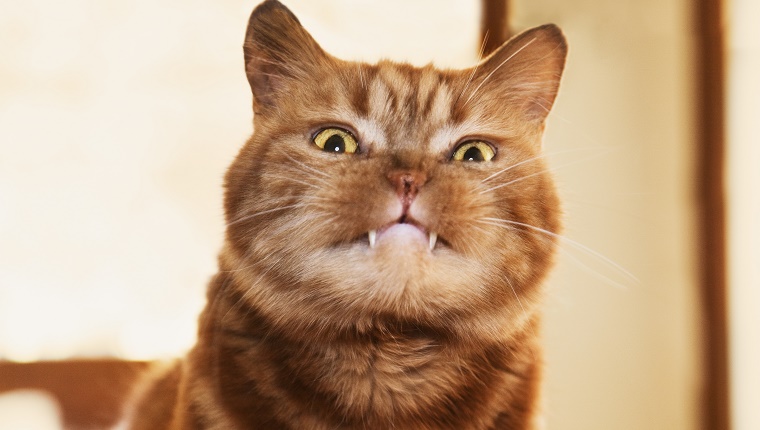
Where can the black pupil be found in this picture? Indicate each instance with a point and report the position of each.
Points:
(335, 143)
(473, 154)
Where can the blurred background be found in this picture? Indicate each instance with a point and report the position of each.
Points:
(118, 119)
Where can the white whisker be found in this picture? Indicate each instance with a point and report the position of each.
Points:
(264, 212)
(497, 68)
(306, 166)
(513, 166)
(361, 77)
(496, 187)
(474, 69)
(541, 172)
(593, 272)
(577, 245)
(538, 157)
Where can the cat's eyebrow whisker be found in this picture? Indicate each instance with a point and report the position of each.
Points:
(530, 42)
(565, 239)
(519, 88)
(361, 76)
(474, 69)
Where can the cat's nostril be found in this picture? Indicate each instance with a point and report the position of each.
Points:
(406, 183)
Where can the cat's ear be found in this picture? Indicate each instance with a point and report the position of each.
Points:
(526, 71)
(277, 49)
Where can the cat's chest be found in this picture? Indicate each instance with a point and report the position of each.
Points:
(382, 377)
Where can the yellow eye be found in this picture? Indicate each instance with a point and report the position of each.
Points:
(473, 151)
(336, 140)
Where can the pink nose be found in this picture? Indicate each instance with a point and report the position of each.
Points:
(406, 183)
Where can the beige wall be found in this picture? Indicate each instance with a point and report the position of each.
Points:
(118, 118)
(623, 354)
(744, 211)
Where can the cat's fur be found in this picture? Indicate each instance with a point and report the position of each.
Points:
(308, 326)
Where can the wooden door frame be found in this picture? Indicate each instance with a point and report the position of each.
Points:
(711, 145)
(494, 25)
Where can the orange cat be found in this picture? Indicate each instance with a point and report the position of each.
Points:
(389, 228)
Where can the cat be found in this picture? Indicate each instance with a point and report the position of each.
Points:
(388, 231)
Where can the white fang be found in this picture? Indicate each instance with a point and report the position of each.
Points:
(433, 240)
(372, 236)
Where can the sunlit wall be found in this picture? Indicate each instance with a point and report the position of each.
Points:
(623, 354)
(117, 121)
(743, 167)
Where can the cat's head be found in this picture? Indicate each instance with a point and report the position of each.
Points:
(390, 192)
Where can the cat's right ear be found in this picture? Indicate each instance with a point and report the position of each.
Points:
(525, 72)
(277, 50)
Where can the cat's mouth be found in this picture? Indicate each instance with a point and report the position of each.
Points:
(409, 229)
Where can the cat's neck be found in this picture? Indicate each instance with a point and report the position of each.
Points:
(389, 375)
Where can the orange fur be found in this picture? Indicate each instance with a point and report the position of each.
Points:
(310, 324)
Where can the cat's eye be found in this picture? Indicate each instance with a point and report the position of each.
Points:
(474, 150)
(336, 140)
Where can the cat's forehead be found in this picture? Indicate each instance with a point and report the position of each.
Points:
(396, 106)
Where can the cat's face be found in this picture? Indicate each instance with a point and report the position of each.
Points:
(386, 191)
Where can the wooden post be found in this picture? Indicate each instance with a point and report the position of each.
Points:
(711, 92)
(494, 25)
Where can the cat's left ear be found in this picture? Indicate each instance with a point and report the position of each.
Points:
(526, 71)
(278, 50)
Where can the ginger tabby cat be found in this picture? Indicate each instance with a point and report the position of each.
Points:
(389, 229)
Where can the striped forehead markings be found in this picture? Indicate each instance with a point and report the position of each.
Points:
(398, 102)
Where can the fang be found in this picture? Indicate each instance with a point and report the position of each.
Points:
(372, 235)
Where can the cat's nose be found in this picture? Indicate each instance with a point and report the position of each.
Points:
(407, 183)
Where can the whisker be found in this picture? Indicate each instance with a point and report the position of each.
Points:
(474, 69)
(593, 272)
(577, 245)
(306, 166)
(289, 179)
(530, 42)
(541, 172)
(538, 157)
(361, 77)
(264, 212)
(513, 166)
